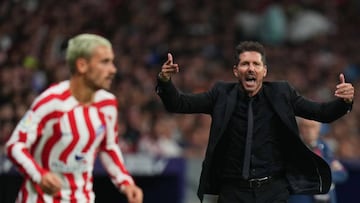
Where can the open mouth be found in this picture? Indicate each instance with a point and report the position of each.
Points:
(250, 80)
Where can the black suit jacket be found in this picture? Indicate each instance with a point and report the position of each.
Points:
(306, 172)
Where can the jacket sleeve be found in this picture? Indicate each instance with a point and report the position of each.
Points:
(325, 112)
(178, 102)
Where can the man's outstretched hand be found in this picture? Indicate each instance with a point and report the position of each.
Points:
(344, 90)
(168, 68)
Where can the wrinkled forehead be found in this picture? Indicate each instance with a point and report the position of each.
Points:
(250, 56)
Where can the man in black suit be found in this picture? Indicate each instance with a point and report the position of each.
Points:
(254, 153)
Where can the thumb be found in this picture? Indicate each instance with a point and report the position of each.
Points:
(170, 58)
(342, 78)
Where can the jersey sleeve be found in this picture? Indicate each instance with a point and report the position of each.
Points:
(111, 155)
(18, 147)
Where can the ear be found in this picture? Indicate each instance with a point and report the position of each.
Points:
(81, 65)
(235, 71)
(265, 71)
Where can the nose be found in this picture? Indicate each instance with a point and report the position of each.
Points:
(251, 67)
(113, 69)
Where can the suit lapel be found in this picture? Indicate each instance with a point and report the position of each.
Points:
(230, 105)
(280, 106)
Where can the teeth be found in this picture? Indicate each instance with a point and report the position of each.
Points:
(250, 81)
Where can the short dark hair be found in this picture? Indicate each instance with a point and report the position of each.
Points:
(250, 46)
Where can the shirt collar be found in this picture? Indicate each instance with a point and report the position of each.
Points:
(243, 95)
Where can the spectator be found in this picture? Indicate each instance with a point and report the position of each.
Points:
(161, 142)
(310, 134)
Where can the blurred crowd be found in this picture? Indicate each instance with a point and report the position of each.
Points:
(309, 43)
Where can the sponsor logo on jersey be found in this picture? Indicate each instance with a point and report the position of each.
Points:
(78, 157)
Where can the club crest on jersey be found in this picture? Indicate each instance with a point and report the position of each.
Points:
(26, 120)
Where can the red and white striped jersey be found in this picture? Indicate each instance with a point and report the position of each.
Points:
(60, 135)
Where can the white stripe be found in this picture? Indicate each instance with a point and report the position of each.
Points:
(56, 105)
(80, 182)
(45, 135)
(65, 140)
(97, 124)
(83, 132)
(24, 161)
(117, 175)
(32, 194)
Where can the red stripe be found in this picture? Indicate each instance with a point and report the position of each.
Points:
(20, 166)
(40, 199)
(125, 182)
(91, 129)
(57, 197)
(46, 118)
(112, 154)
(107, 102)
(50, 97)
(37, 166)
(41, 125)
(40, 194)
(49, 116)
(103, 122)
(116, 129)
(73, 186)
(34, 146)
(117, 161)
(11, 157)
(49, 145)
(24, 192)
(85, 190)
(64, 155)
(22, 136)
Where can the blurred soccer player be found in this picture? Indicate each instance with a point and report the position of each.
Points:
(68, 125)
